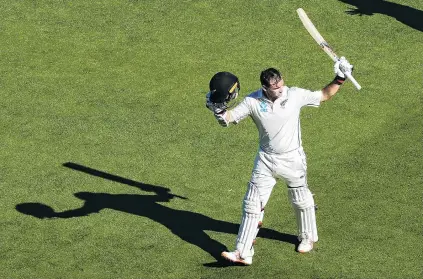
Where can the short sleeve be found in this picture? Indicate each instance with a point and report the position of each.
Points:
(306, 97)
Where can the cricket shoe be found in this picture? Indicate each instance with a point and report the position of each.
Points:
(236, 258)
(306, 244)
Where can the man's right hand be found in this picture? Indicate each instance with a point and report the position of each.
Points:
(216, 108)
(221, 118)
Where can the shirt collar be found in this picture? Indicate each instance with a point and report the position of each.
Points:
(282, 97)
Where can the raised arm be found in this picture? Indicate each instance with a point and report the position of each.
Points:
(224, 115)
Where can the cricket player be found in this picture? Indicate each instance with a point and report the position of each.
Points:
(275, 109)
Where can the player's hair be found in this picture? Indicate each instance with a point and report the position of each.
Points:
(268, 75)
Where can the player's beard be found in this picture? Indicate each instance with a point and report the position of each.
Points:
(273, 94)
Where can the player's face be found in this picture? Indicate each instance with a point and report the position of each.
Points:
(274, 91)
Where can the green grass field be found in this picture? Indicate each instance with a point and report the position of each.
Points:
(103, 115)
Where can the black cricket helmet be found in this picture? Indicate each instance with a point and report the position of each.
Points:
(224, 87)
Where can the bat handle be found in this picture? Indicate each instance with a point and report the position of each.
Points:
(356, 84)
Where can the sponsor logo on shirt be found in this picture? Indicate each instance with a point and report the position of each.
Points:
(263, 106)
(283, 103)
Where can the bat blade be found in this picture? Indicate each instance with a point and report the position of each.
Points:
(309, 26)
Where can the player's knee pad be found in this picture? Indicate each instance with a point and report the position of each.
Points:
(251, 217)
(303, 203)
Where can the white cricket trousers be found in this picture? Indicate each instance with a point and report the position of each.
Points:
(291, 167)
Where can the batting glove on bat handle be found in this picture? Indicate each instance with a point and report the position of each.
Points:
(341, 67)
(343, 70)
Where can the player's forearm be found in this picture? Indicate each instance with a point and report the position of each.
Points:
(330, 90)
(229, 117)
(225, 118)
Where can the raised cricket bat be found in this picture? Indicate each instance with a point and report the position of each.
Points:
(322, 42)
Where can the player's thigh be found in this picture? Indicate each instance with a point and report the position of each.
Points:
(293, 169)
(262, 178)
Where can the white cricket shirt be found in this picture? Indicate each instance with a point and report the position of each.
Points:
(278, 123)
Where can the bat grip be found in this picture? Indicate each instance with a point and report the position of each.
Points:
(356, 84)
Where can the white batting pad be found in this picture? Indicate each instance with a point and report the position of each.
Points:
(303, 204)
(251, 216)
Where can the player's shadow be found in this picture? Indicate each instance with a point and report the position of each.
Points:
(189, 226)
(405, 14)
